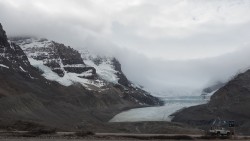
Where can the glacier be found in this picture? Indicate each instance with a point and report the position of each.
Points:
(160, 113)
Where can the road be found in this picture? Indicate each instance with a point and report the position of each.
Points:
(36, 139)
(114, 136)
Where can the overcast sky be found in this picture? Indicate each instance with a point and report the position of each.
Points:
(164, 45)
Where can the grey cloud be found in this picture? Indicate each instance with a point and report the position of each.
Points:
(163, 75)
(163, 45)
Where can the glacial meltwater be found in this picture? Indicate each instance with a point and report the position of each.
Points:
(160, 113)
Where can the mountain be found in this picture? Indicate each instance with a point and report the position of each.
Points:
(213, 88)
(47, 83)
(67, 66)
(231, 102)
(210, 90)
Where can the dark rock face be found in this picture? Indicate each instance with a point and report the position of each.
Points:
(213, 87)
(139, 95)
(13, 57)
(58, 57)
(122, 78)
(3, 38)
(80, 70)
(231, 102)
(68, 55)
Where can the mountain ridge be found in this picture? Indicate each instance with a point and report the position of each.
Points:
(26, 94)
(230, 102)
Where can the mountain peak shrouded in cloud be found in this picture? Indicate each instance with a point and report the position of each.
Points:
(161, 44)
(3, 37)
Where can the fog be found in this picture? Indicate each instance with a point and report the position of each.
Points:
(173, 47)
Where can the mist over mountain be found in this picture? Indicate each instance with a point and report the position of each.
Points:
(187, 45)
(45, 83)
(168, 65)
(230, 102)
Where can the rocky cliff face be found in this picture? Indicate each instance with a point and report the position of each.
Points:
(49, 83)
(3, 37)
(58, 57)
(13, 59)
(122, 78)
(231, 102)
(109, 70)
(213, 88)
(92, 71)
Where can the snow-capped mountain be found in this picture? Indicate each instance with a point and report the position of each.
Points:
(68, 66)
(18, 62)
(55, 85)
(108, 68)
(58, 62)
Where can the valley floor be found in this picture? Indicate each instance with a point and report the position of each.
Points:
(125, 137)
(72, 136)
(95, 140)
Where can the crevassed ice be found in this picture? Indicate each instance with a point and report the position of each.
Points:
(160, 113)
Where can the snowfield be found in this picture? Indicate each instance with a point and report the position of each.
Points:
(68, 79)
(4, 66)
(104, 69)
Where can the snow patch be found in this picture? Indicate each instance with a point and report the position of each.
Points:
(11, 45)
(86, 74)
(22, 69)
(4, 66)
(207, 96)
(68, 79)
(48, 73)
(105, 69)
(34, 43)
(75, 65)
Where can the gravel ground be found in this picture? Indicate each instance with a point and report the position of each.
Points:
(36, 139)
